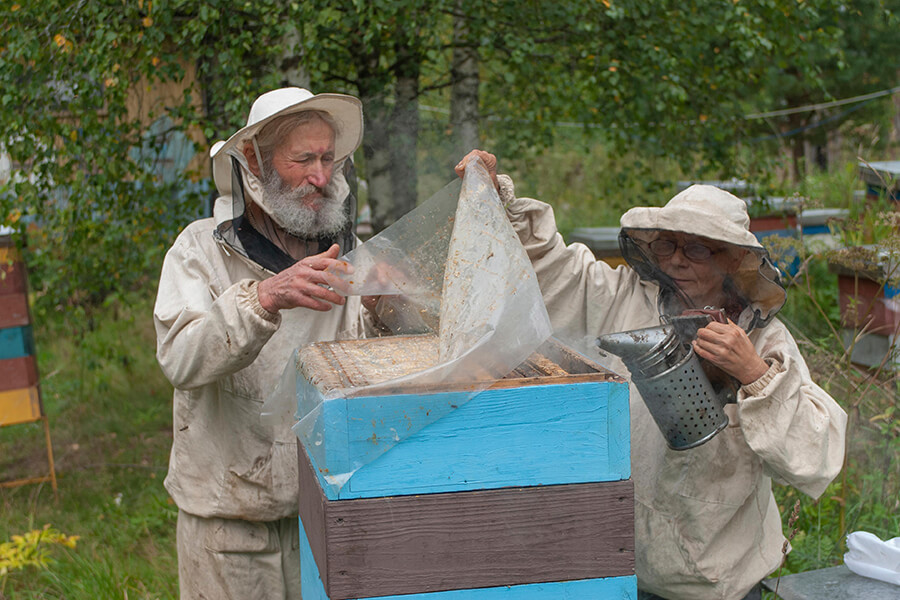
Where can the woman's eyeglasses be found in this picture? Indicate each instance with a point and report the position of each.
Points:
(693, 251)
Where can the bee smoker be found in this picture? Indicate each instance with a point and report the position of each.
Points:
(685, 395)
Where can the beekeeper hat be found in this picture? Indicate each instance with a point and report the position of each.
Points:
(702, 210)
(345, 110)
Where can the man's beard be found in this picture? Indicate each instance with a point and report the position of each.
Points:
(288, 209)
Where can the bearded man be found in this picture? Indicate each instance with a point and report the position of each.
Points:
(237, 294)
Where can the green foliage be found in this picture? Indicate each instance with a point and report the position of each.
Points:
(664, 78)
(841, 52)
(31, 549)
(589, 185)
(91, 187)
(864, 497)
(110, 420)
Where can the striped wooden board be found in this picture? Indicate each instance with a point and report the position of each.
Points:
(436, 542)
(12, 271)
(8, 251)
(16, 342)
(12, 277)
(18, 373)
(19, 406)
(13, 310)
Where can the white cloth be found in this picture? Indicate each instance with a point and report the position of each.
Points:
(706, 523)
(869, 556)
(217, 557)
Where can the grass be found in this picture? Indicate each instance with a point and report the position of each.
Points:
(110, 417)
(110, 412)
(866, 495)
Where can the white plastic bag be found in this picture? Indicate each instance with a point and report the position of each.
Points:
(870, 557)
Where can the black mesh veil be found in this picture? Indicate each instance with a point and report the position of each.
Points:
(753, 291)
(243, 238)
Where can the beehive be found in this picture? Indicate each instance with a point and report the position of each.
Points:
(520, 491)
(20, 399)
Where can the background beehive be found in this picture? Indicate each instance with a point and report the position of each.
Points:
(20, 399)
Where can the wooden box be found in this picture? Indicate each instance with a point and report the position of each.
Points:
(522, 491)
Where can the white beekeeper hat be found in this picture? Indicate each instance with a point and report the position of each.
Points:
(703, 210)
(345, 110)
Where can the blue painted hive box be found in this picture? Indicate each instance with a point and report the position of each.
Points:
(512, 488)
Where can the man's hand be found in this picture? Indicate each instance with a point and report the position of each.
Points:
(489, 161)
(727, 346)
(306, 284)
(385, 276)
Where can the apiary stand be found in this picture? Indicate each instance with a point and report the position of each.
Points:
(523, 492)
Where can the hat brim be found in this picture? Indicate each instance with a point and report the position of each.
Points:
(345, 110)
(691, 221)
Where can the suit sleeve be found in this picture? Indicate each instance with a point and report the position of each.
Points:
(792, 424)
(584, 296)
(205, 328)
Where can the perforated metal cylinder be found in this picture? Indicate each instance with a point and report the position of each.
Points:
(683, 403)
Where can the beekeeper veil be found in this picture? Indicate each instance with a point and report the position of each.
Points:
(699, 249)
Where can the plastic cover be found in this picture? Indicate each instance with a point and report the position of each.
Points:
(870, 557)
(452, 267)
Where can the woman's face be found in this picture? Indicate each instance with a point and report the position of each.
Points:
(697, 265)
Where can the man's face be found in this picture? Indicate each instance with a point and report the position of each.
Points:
(306, 158)
(297, 185)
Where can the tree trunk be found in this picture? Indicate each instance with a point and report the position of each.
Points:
(377, 153)
(290, 62)
(405, 134)
(834, 147)
(372, 81)
(895, 130)
(464, 87)
(798, 142)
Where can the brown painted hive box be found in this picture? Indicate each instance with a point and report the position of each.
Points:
(426, 489)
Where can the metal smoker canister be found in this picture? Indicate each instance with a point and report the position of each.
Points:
(671, 380)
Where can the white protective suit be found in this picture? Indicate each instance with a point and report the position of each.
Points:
(706, 523)
(224, 354)
(233, 478)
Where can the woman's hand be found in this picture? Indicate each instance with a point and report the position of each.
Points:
(487, 159)
(727, 346)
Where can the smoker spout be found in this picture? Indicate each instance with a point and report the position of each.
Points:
(631, 344)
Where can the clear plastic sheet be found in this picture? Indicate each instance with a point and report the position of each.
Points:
(453, 267)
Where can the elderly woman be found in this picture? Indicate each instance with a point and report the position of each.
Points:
(706, 523)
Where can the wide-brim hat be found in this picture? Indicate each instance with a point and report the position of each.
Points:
(346, 111)
(702, 210)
